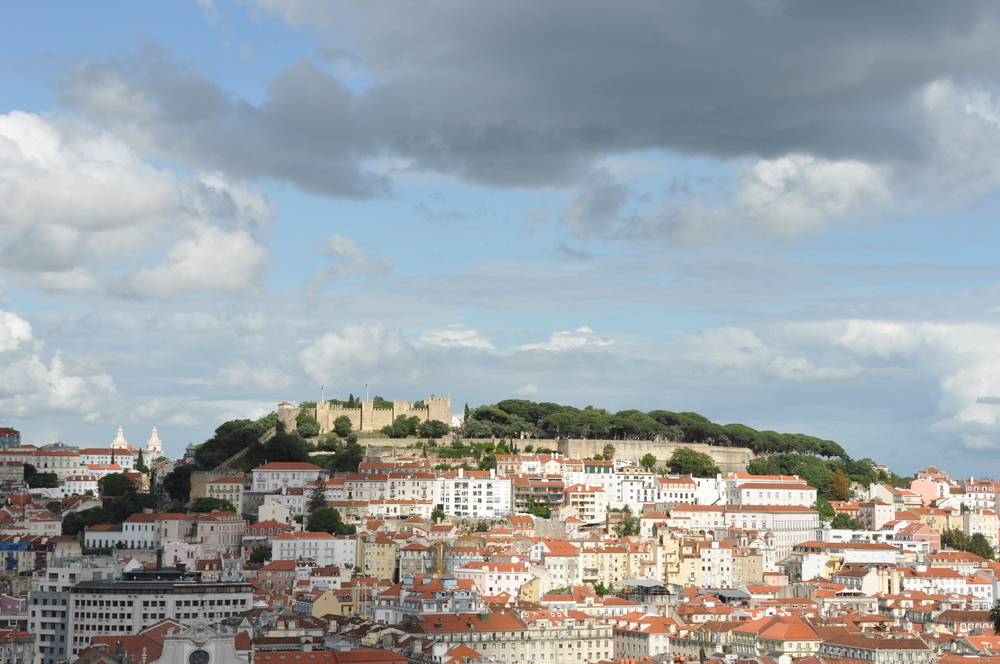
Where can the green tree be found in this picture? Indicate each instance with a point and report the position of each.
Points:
(287, 447)
(317, 497)
(437, 513)
(348, 458)
(213, 505)
(140, 464)
(402, 427)
(979, 545)
(130, 502)
(327, 520)
(433, 429)
(260, 555)
(114, 484)
(306, 424)
(627, 526)
(177, 483)
(648, 460)
(600, 590)
(342, 426)
(74, 522)
(686, 461)
(846, 521)
(37, 480)
(482, 527)
(825, 509)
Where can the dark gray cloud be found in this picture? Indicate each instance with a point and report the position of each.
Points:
(529, 93)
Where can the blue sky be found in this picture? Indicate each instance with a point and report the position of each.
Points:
(759, 211)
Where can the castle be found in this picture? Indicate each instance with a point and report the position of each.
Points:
(367, 417)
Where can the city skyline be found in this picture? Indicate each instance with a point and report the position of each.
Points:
(762, 213)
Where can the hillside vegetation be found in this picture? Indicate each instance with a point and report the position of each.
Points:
(516, 418)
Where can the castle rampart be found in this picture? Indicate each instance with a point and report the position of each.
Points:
(367, 417)
(728, 459)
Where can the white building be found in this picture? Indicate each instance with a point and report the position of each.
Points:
(325, 549)
(474, 493)
(282, 475)
(79, 485)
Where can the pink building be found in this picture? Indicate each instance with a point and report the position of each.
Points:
(494, 578)
(929, 489)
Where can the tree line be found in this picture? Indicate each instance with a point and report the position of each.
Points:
(519, 418)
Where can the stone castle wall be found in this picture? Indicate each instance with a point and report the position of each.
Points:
(369, 418)
(728, 459)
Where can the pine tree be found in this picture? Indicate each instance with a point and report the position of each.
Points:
(317, 497)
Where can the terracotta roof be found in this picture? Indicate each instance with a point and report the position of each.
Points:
(288, 465)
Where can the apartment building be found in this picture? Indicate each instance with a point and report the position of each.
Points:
(281, 475)
(113, 607)
(474, 493)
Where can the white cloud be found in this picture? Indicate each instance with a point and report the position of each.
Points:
(528, 390)
(799, 368)
(32, 385)
(75, 175)
(74, 198)
(797, 194)
(360, 354)
(240, 375)
(456, 335)
(964, 125)
(14, 331)
(579, 339)
(347, 260)
(213, 259)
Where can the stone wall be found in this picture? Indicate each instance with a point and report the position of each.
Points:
(728, 459)
(369, 418)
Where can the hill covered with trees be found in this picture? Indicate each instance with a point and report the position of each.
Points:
(517, 418)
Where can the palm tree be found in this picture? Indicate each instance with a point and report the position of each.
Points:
(609, 452)
(995, 617)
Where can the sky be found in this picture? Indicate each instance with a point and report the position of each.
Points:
(771, 212)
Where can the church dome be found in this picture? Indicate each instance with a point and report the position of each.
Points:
(119, 440)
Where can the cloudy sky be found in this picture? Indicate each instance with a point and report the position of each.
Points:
(771, 212)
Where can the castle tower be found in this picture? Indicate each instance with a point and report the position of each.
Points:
(119, 442)
(154, 446)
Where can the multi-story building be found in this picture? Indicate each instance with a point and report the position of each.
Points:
(676, 489)
(377, 556)
(79, 485)
(419, 558)
(48, 602)
(569, 637)
(61, 462)
(106, 456)
(423, 594)
(9, 437)
(639, 636)
(494, 578)
(143, 598)
(474, 493)
(876, 649)
(323, 548)
(280, 475)
(772, 493)
(588, 502)
(228, 488)
(530, 491)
